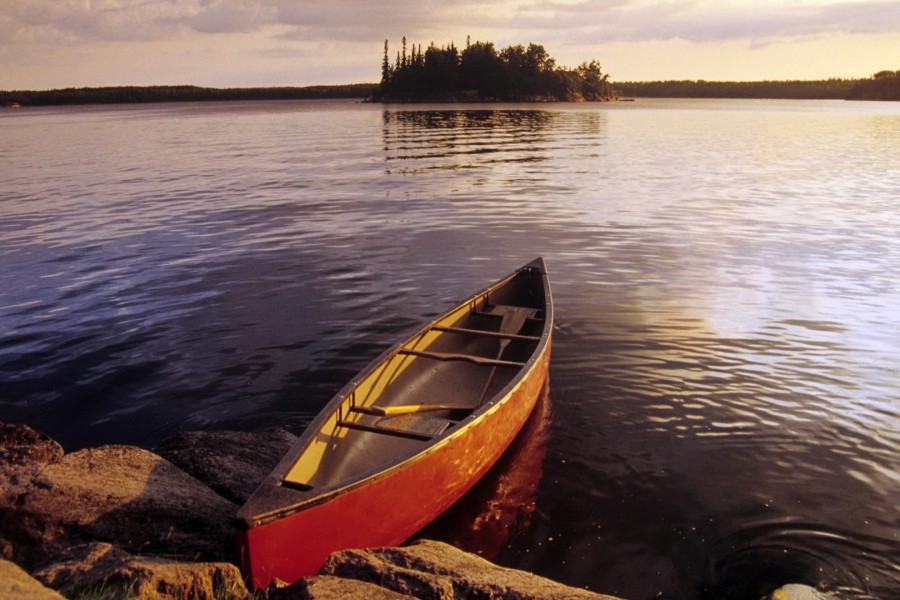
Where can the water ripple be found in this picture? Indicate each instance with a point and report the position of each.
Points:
(724, 378)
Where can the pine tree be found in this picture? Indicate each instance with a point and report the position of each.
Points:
(385, 67)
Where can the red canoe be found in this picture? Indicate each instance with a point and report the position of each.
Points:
(407, 437)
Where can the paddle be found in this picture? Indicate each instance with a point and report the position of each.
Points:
(406, 409)
(513, 319)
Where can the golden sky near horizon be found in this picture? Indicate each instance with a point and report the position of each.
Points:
(225, 43)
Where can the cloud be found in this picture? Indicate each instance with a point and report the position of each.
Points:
(222, 16)
(73, 21)
(699, 21)
(68, 21)
(366, 21)
(118, 20)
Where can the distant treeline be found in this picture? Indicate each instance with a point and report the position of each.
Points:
(179, 93)
(884, 85)
(480, 72)
(836, 89)
(535, 77)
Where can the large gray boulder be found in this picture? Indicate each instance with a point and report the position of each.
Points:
(431, 570)
(233, 463)
(98, 566)
(126, 496)
(16, 583)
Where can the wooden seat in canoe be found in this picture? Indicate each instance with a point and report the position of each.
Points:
(503, 310)
(416, 424)
(418, 427)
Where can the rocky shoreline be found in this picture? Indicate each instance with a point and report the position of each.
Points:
(120, 521)
(123, 522)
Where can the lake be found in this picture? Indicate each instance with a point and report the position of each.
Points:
(724, 406)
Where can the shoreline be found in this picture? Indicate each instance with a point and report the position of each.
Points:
(885, 86)
(121, 521)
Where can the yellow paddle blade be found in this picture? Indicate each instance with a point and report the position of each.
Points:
(405, 409)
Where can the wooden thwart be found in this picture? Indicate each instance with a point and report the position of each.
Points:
(501, 310)
(485, 333)
(478, 360)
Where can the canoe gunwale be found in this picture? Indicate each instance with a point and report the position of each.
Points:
(278, 497)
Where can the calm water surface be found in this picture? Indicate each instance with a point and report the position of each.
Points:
(724, 408)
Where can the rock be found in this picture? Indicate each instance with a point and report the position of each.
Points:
(23, 454)
(438, 571)
(16, 583)
(797, 591)
(95, 519)
(100, 567)
(325, 587)
(126, 496)
(232, 463)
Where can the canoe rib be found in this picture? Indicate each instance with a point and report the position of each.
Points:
(478, 360)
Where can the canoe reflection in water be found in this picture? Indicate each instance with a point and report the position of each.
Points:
(504, 501)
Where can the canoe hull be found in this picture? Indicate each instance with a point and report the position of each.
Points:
(358, 477)
(390, 509)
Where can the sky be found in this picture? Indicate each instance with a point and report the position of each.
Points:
(47, 44)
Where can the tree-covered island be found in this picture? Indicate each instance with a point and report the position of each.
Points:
(480, 72)
(884, 85)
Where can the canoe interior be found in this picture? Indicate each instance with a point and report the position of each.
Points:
(355, 438)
